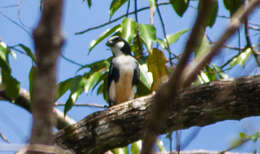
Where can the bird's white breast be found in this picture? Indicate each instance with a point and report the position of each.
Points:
(124, 89)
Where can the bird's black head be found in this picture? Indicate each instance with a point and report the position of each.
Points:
(118, 46)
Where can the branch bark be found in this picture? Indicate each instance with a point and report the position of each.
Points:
(48, 41)
(198, 106)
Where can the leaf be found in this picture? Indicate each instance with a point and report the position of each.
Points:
(12, 86)
(98, 65)
(31, 80)
(147, 34)
(156, 62)
(160, 145)
(202, 49)
(62, 87)
(172, 38)
(128, 31)
(203, 78)
(91, 80)
(136, 147)
(89, 3)
(242, 135)
(145, 77)
(152, 3)
(77, 85)
(232, 5)
(28, 52)
(213, 14)
(219, 72)
(115, 5)
(4, 61)
(3, 51)
(71, 101)
(179, 6)
(241, 58)
(254, 137)
(105, 34)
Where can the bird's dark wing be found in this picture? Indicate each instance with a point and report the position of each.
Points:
(113, 75)
(136, 75)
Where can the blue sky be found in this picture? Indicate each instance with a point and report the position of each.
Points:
(15, 122)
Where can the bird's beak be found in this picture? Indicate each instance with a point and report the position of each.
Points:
(109, 43)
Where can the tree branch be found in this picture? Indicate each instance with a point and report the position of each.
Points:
(118, 18)
(202, 105)
(167, 92)
(48, 40)
(23, 100)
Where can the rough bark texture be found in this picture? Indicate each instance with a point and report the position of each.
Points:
(197, 106)
(48, 41)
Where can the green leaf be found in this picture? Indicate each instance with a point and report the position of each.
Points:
(12, 86)
(31, 80)
(4, 61)
(242, 135)
(62, 87)
(160, 145)
(152, 3)
(96, 66)
(115, 5)
(77, 85)
(219, 72)
(91, 80)
(71, 101)
(136, 147)
(147, 34)
(179, 6)
(105, 34)
(254, 137)
(172, 38)
(213, 14)
(232, 5)
(145, 77)
(203, 78)
(89, 3)
(128, 31)
(4, 51)
(241, 58)
(28, 52)
(202, 49)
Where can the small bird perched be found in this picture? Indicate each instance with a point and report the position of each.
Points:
(123, 72)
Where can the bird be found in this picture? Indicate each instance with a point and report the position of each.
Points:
(123, 75)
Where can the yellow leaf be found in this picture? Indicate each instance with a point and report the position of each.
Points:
(156, 65)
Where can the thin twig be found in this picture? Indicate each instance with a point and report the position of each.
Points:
(4, 138)
(165, 36)
(254, 27)
(128, 7)
(230, 60)
(249, 43)
(85, 105)
(8, 6)
(118, 18)
(240, 142)
(71, 61)
(17, 24)
(136, 8)
(236, 21)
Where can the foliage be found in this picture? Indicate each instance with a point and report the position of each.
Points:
(153, 61)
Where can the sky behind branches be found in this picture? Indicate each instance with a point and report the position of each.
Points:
(16, 22)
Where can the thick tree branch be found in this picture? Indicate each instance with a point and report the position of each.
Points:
(200, 106)
(48, 41)
(166, 94)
